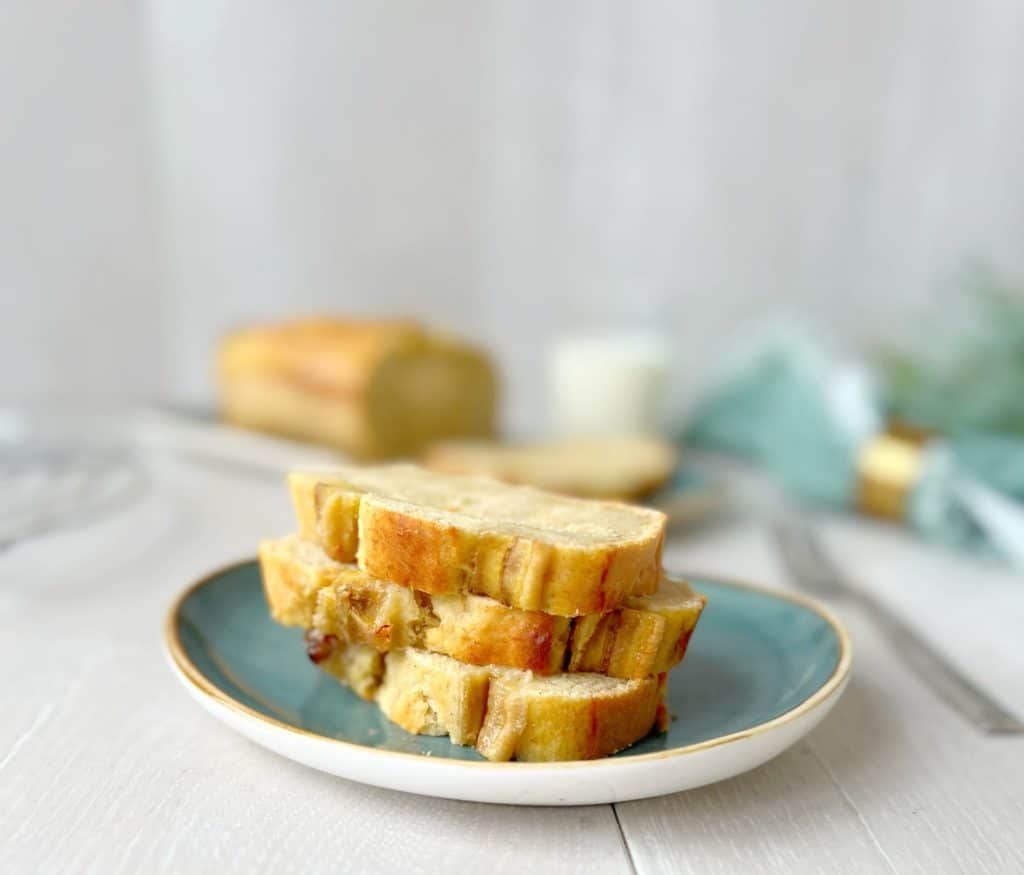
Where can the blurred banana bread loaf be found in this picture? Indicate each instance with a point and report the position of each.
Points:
(371, 389)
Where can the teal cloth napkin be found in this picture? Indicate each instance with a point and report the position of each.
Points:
(791, 407)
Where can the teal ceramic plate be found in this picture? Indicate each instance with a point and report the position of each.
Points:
(762, 669)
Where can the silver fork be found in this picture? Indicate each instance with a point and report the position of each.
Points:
(814, 571)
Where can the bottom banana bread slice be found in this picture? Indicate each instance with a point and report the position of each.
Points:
(505, 713)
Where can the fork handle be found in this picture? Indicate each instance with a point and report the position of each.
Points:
(936, 671)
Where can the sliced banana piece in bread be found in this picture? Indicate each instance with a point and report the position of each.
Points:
(646, 636)
(568, 716)
(612, 467)
(449, 534)
(508, 714)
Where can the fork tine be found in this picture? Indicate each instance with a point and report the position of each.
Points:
(805, 558)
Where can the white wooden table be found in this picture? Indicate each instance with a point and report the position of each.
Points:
(107, 766)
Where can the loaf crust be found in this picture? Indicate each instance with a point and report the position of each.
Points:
(507, 714)
(447, 534)
(646, 636)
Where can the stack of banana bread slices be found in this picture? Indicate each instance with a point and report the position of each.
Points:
(530, 625)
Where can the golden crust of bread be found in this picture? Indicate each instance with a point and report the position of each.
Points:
(446, 534)
(305, 588)
(509, 714)
(372, 389)
(326, 356)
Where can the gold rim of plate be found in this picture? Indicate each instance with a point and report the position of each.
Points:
(191, 673)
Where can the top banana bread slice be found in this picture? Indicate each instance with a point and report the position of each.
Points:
(446, 534)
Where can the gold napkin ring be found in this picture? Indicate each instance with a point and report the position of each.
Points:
(888, 468)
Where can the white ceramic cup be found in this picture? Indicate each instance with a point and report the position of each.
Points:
(608, 384)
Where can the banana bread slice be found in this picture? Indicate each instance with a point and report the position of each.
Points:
(505, 713)
(601, 467)
(449, 534)
(646, 636)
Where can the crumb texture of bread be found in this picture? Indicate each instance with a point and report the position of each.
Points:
(613, 468)
(429, 694)
(306, 588)
(372, 389)
(446, 534)
(358, 667)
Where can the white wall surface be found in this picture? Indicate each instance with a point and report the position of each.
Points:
(511, 170)
(79, 276)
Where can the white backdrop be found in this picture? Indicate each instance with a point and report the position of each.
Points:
(512, 170)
